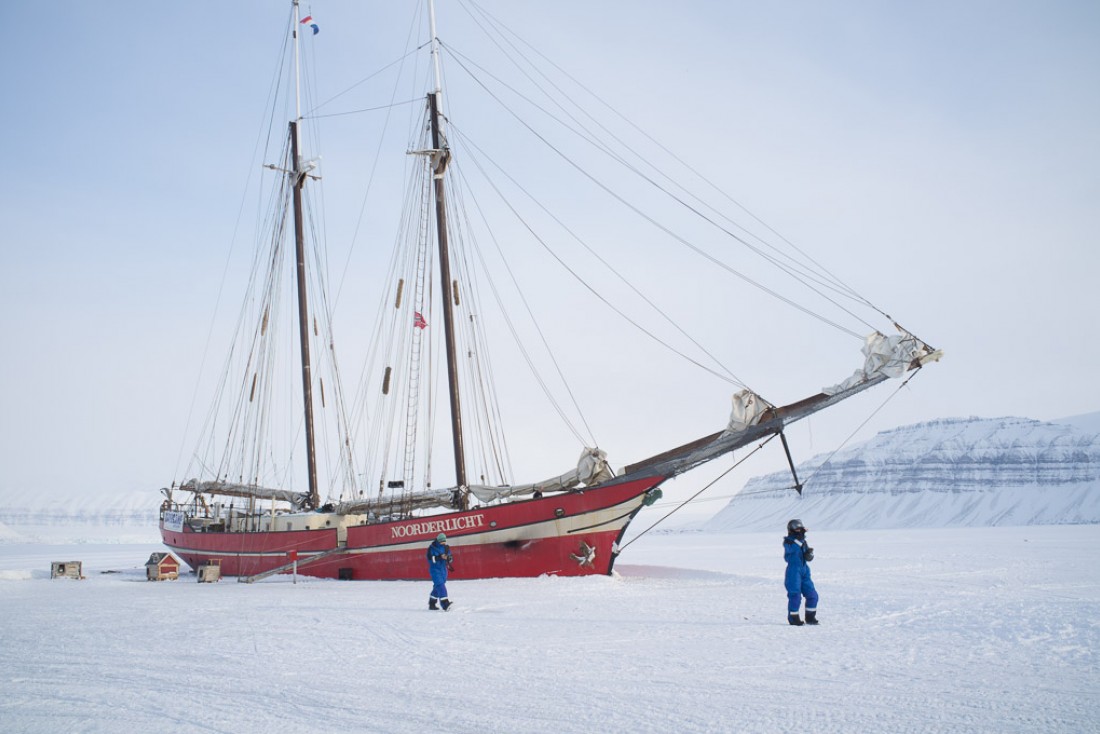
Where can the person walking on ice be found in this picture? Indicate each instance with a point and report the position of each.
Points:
(798, 554)
(439, 563)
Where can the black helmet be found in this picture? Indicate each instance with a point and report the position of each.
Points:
(795, 526)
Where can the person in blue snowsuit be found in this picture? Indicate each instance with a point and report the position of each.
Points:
(798, 554)
(439, 563)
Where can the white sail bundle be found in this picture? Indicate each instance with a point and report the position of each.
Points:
(889, 356)
(592, 468)
(230, 489)
(746, 411)
(399, 504)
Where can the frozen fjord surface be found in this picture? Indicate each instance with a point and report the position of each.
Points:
(923, 630)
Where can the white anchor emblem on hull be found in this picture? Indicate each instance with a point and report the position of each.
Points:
(586, 555)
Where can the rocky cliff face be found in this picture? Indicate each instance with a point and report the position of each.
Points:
(959, 471)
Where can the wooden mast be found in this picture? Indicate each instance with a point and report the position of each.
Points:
(439, 158)
(298, 179)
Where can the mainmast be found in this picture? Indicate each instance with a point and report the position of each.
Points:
(298, 180)
(440, 155)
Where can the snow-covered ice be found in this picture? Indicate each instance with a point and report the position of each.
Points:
(942, 630)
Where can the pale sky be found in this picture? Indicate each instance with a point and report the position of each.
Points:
(941, 157)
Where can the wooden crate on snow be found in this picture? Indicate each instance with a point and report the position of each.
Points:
(66, 570)
(210, 571)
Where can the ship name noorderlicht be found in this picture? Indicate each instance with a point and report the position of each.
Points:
(428, 527)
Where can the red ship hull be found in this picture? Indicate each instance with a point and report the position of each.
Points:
(571, 534)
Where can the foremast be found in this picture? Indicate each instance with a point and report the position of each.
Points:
(439, 157)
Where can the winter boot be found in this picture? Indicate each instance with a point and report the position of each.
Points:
(811, 616)
(446, 603)
(794, 620)
(431, 603)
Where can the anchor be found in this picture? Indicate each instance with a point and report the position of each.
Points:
(587, 555)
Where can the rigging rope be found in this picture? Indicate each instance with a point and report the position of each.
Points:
(377, 156)
(682, 240)
(727, 378)
(633, 154)
(364, 80)
(497, 24)
(481, 374)
(762, 445)
(205, 433)
(704, 489)
(515, 333)
(861, 425)
(365, 109)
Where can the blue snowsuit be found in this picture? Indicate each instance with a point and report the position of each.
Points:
(797, 579)
(439, 555)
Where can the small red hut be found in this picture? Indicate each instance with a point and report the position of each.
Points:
(162, 566)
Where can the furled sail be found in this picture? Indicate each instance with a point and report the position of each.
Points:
(230, 489)
(746, 411)
(399, 504)
(592, 468)
(889, 356)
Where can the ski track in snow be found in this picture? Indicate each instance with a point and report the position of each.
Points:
(947, 630)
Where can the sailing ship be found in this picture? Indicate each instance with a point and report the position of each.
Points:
(375, 513)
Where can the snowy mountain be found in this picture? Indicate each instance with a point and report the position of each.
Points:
(1088, 422)
(951, 472)
(79, 517)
